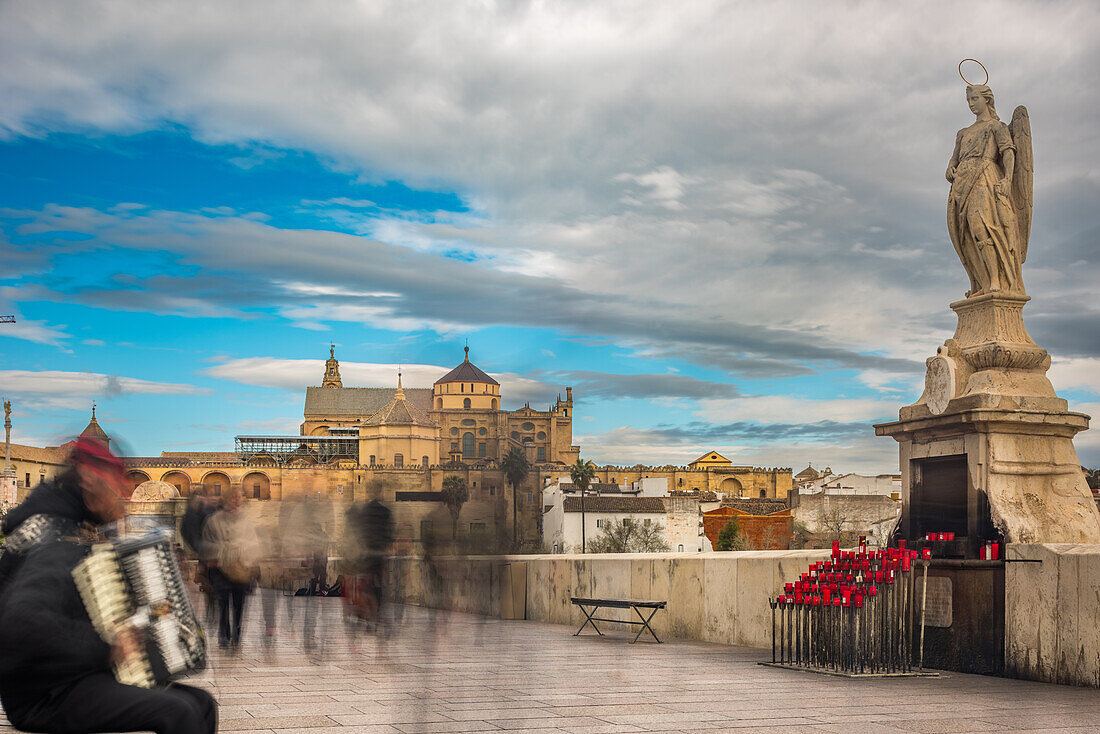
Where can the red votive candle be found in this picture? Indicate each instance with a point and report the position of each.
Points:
(926, 553)
(826, 594)
(905, 564)
(836, 549)
(872, 590)
(836, 601)
(948, 536)
(789, 588)
(994, 551)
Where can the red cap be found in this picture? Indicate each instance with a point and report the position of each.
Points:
(92, 451)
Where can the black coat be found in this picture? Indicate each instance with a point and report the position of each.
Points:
(60, 501)
(47, 641)
(191, 527)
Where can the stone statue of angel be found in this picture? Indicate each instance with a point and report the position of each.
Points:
(989, 207)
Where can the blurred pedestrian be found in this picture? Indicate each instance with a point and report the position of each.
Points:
(199, 509)
(233, 564)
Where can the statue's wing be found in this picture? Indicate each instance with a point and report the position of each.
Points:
(1022, 175)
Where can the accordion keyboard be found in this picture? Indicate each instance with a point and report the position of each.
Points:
(136, 581)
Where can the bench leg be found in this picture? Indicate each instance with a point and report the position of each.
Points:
(588, 621)
(645, 624)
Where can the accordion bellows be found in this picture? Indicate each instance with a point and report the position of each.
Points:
(136, 581)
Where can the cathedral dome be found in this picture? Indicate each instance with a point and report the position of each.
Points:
(466, 372)
(399, 411)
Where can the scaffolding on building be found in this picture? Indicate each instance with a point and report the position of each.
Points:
(283, 449)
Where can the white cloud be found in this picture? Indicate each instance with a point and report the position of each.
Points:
(1081, 373)
(297, 374)
(54, 389)
(796, 410)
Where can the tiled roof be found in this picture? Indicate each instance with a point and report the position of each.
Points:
(466, 372)
(399, 411)
(46, 455)
(757, 506)
(94, 431)
(360, 402)
(615, 504)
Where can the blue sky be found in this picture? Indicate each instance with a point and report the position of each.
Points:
(754, 262)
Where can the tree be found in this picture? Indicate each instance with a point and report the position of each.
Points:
(582, 473)
(455, 495)
(516, 468)
(650, 539)
(730, 539)
(630, 536)
(800, 534)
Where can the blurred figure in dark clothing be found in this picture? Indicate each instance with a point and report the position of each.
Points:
(199, 509)
(370, 528)
(55, 670)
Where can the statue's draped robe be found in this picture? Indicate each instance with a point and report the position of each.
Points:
(976, 216)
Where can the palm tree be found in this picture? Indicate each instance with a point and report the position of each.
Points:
(516, 468)
(582, 473)
(455, 495)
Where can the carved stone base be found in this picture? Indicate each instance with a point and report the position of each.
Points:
(991, 334)
(987, 398)
(1020, 464)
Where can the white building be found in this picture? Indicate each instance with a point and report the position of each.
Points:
(645, 502)
(881, 485)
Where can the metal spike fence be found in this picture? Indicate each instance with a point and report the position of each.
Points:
(855, 614)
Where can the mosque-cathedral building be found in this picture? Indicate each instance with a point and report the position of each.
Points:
(405, 441)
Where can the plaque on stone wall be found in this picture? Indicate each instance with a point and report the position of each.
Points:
(937, 607)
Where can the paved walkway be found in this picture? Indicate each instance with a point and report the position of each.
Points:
(461, 673)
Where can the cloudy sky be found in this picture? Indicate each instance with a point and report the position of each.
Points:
(721, 223)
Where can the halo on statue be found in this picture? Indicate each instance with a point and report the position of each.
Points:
(979, 64)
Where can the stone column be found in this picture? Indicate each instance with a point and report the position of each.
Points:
(9, 484)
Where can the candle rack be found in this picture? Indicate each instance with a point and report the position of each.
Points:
(856, 614)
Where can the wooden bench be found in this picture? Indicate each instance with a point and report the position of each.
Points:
(591, 606)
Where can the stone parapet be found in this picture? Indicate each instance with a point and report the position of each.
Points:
(1052, 613)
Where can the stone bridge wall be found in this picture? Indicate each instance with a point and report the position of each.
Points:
(1052, 626)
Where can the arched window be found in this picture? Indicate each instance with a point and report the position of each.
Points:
(398, 460)
(494, 404)
(565, 412)
(462, 387)
(468, 447)
(466, 403)
(372, 459)
(439, 403)
(424, 461)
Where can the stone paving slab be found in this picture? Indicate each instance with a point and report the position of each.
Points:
(447, 672)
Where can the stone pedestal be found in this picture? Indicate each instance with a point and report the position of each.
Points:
(987, 450)
(9, 488)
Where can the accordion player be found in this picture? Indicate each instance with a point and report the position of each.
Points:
(135, 581)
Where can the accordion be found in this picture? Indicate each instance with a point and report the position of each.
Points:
(136, 581)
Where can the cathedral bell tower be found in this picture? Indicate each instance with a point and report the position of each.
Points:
(332, 370)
